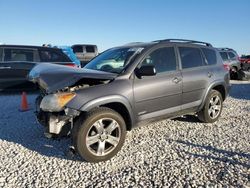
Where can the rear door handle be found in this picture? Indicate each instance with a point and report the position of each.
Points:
(176, 80)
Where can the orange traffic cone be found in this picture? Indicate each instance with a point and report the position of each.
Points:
(24, 103)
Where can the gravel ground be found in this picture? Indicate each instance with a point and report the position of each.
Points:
(172, 153)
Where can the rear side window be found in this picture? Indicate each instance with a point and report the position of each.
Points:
(224, 55)
(190, 57)
(231, 55)
(163, 59)
(1, 54)
(18, 55)
(77, 49)
(52, 56)
(90, 49)
(210, 56)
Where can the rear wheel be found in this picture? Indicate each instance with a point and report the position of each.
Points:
(212, 108)
(99, 135)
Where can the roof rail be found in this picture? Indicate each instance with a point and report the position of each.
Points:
(184, 40)
(133, 43)
(226, 49)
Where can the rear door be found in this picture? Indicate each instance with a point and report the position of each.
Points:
(16, 64)
(196, 76)
(160, 94)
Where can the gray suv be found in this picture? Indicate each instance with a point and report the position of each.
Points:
(126, 85)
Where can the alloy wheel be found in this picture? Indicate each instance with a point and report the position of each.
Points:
(103, 136)
(214, 107)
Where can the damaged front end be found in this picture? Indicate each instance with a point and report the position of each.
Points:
(59, 86)
(58, 122)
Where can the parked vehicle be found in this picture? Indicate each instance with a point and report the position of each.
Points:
(16, 61)
(245, 62)
(231, 59)
(69, 52)
(127, 85)
(85, 52)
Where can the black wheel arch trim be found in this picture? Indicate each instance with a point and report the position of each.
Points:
(107, 100)
(213, 85)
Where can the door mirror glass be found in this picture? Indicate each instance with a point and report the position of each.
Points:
(146, 70)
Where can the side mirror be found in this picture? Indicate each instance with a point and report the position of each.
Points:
(146, 70)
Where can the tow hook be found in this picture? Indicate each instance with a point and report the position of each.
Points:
(48, 135)
(71, 152)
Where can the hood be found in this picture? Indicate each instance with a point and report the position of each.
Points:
(53, 77)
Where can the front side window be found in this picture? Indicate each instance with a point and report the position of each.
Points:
(77, 49)
(163, 59)
(113, 60)
(190, 57)
(90, 49)
(18, 55)
(210, 56)
(224, 56)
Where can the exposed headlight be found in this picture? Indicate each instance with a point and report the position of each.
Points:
(56, 102)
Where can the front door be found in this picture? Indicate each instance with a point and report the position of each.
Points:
(160, 94)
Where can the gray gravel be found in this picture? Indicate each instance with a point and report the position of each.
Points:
(172, 153)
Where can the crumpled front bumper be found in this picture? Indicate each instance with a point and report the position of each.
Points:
(56, 123)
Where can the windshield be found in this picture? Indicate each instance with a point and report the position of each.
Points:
(113, 60)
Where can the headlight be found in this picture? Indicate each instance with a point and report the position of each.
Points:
(56, 102)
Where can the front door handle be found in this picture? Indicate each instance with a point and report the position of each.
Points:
(176, 80)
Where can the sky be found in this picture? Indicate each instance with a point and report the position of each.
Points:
(109, 23)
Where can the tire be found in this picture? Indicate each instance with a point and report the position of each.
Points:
(98, 129)
(234, 73)
(205, 115)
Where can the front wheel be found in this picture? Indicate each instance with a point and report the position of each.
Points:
(99, 135)
(212, 108)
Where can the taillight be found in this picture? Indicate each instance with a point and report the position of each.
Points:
(71, 65)
(226, 66)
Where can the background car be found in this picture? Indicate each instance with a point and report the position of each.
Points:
(69, 52)
(17, 60)
(245, 62)
(244, 58)
(231, 58)
(85, 52)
